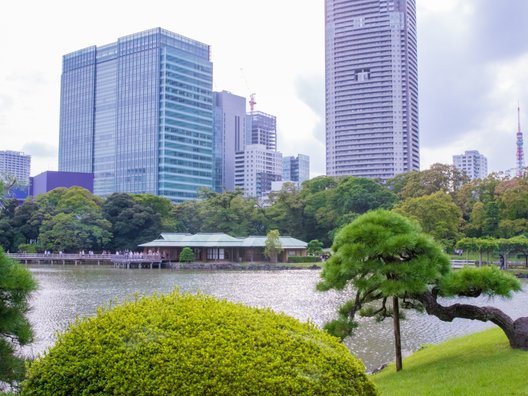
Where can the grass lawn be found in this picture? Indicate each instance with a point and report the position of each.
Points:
(478, 364)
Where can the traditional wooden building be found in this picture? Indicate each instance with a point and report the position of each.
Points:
(221, 247)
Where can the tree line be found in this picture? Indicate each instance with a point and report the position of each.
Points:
(442, 199)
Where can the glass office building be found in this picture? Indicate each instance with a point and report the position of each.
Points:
(296, 169)
(138, 114)
(371, 88)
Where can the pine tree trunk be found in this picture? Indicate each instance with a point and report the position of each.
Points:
(397, 334)
(515, 330)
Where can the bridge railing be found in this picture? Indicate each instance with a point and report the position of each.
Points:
(77, 256)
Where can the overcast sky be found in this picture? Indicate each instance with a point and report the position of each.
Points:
(473, 67)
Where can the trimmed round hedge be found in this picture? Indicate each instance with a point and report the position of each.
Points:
(188, 344)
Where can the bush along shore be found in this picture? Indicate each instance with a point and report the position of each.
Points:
(243, 266)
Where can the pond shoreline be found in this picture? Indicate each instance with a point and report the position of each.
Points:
(239, 266)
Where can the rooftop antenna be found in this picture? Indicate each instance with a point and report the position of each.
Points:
(520, 151)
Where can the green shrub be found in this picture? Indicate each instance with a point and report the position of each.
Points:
(195, 345)
(304, 259)
(27, 248)
(186, 255)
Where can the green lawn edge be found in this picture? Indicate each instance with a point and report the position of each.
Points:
(477, 364)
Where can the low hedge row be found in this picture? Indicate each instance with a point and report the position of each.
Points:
(304, 259)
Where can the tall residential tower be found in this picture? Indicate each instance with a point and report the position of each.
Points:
(138, 114)
(371, 88)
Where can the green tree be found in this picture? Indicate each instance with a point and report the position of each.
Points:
(133, 221)
(273, 245)
(480, 245)
(382, 255)
(16, 285)
(437, 214)
(228, 212)
(7, 230)
(286, 212)
(439, 177)
(162, 207)
(186, 255)
(70, 219)
(315, 247)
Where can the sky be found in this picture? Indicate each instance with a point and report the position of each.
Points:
(472, 66)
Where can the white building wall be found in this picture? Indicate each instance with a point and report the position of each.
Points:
(474, 164)
(15, 164)
(257, 165)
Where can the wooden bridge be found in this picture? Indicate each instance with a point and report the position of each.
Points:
(117, 260)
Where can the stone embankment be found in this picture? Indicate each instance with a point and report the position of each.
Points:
(237, 266)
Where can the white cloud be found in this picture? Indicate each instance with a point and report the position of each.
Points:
(469, 86)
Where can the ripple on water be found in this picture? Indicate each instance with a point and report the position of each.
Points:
(66, 292)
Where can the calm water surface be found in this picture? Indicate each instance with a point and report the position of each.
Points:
(67, 291)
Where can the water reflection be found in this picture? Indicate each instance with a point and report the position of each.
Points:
(66, 292)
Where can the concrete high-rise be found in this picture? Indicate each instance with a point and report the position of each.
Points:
(230, 129)
(371, 88)
(138, 114)
(256, 168)
(474, 164)
(15, 166)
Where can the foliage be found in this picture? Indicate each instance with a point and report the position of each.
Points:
(133, 220)
(315, 247)
(16, 285)
(304, 259)
(186, 255)
(231, 213)
(438, 178)
(477, 364)
(272, 245)
(472, 282)
(286, 211)
(480, 245)
(27, 248)
(437, 214)
(195, 344)
(71, 219)
(381, 254)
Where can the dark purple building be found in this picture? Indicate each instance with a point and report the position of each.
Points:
(47, 181)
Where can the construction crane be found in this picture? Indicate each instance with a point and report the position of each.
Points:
(252, 101)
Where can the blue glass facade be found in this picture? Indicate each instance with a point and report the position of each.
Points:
(148, 106)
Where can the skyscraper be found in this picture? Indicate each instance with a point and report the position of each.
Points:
(296, 169)
(371, 88)
(138, 114)
(14, 166)
(474, 164)
(230, 127)
(261, 128)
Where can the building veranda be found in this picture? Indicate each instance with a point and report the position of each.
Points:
(220, 247)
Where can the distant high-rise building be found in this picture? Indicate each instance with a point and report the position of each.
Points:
(520, 146)
(229, 127)
(15, 165)
(138, 114)
(256, 168)
(296, 169)
(261, 128)
(474, 164)
(371, 88)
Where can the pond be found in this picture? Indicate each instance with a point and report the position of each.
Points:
(69, 291)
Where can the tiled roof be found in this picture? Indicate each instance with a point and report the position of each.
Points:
(220, 240)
